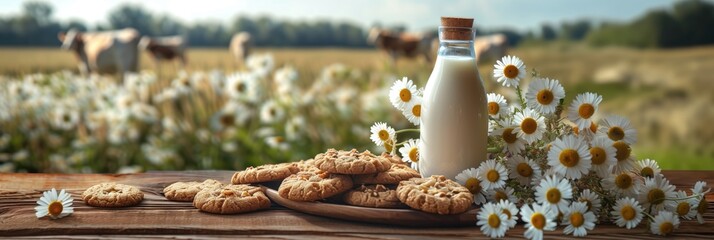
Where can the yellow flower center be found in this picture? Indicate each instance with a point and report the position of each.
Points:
(616, 133)
(655, 196)
(545, 97)
(524, 169)
(500, 195)
(55, 208)
(538, 221)
(666, 228)
(577, 219)
(569, 158)
(494, 221)
(405, 95)
(529, 125)
(414, 154)
(416, 110)
(628, 213)
(593, 127)
(683, 208)
(703, 206)
(586, 110)
(623, 150)
(227, 119)
(493, 108)
(588, 203)
(623, 181)
(509, 136)
(492, 175)
(241, 87)
(510, 71)
(383, 135)
(598, 155)
(508, 213)
(473, 185)
(647, 172)
(553, 195)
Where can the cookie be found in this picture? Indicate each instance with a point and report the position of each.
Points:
(112, 195)
(435, 194)
(231, 199)
(351, 162)
(394, 159)
(307, 165)
(185, 191)
(395, 174)
(312, 186)
(376, 196)
(265, 173)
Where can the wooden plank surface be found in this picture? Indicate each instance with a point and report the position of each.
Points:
(156, 217)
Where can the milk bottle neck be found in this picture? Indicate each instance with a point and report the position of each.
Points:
(462, 47)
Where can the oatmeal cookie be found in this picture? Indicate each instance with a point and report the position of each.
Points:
(351, 162)
(112, 195)
(395, 174)
(185, 191)
(231, 199)
(376, 196)
(265, 173)
(312, 186)
(435, 194)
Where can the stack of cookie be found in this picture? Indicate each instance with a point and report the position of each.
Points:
(214, 197)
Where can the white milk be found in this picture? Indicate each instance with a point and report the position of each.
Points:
(454, 119)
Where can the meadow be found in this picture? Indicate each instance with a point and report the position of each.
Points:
(665, 93)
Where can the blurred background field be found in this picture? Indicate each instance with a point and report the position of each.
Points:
(309, 98)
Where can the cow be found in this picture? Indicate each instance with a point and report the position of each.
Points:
(165, 48)
(240, 46)
(397, 45)
(103, 52)
(490, 47)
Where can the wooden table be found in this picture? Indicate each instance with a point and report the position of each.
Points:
(156, 217)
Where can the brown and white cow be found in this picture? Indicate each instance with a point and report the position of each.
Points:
(397, 45)
(103, 52)
(165, 48)
(240, 46)
(490, 47)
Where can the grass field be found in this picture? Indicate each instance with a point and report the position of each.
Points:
(666, 93)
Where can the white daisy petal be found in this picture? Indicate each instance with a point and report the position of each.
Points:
(509, 71)
(492, 174)
(544, 95)
(570, 157)
(664, 223)
(627, 213)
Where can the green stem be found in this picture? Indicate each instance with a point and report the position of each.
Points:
(493, 150)
(407, 130)
(520, 97)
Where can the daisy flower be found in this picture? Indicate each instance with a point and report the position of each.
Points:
(578, 219)
(402, 93)
(621, 183)
(492, 220)
(492, 174)
(591, 200)
(544, 95)
(511, 211)
(654, 192)
(538, 219)
(381, 132)
(469, 179)
(618, 128)
(583, 108)
(685, 206)
(523, 169)
(498, 194)
(698, 190)
(410, 153)
(554, 192)
(412, 111)
(509, 71)
(664, 223)
(270, 112)
(570, 156)
(496, 105)
(625, 160)
(65, 118)
(648, 168)
(514, 144)
(242, 86)
(54, 205)
(627, 212)
(277, 142)
(531, 125)
(602, 153)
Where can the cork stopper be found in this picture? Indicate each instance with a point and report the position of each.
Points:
(455, 28)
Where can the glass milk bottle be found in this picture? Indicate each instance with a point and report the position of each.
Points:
(454, 119)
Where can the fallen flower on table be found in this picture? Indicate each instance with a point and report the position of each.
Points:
(54, 205)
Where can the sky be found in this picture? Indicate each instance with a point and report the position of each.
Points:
(414, 14)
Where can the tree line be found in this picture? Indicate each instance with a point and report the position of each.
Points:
(686, 23)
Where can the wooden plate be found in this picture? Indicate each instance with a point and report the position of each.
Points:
(400, 217)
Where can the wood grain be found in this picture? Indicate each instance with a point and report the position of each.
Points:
(158, 218)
